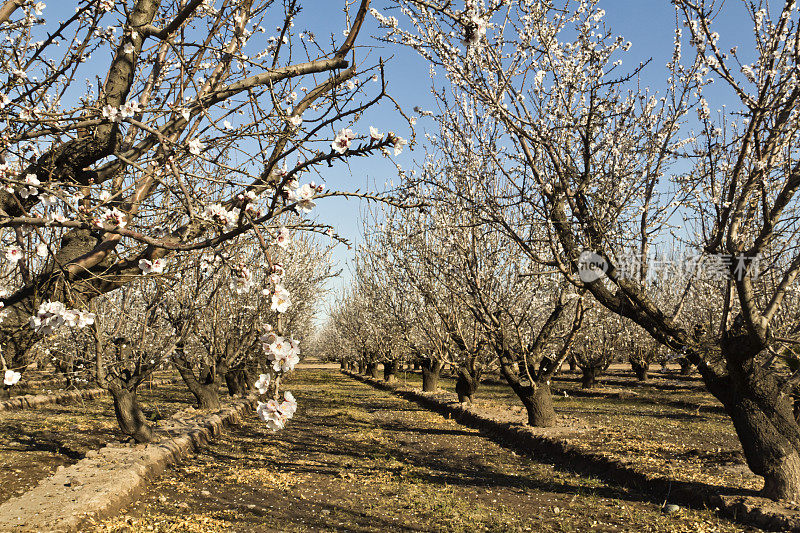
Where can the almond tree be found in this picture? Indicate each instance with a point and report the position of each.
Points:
(598, 344)
(131, 339)
(350, 319)
(414, 248)
(604, 162)
(198, 129)
(387, 310)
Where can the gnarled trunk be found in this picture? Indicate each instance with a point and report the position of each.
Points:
(767, 452)
(640, 369)
(573, 363)
(236, 381)
(205, 389)
(763, 417)
(538, 402)
(130, 417)
(466, 385)
(431, 370)
(373, 371)
(390, 370)
(589, 375)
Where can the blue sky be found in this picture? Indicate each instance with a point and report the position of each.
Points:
(648, 24)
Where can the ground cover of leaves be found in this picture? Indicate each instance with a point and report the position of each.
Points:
(668, 426)
(358, 459)
(35, 442)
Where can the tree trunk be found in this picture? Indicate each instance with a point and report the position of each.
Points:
(538, 403)
(686, 366)
(246, 381)
(236, 381)
(466, 386)
(373, 371)
(205, 390)
(640, 369)
(767, 452)
(762, 415)
(390, 370)
(208, 396)
(431, 370)
(130, 417)
(573, 363)
(589, 375)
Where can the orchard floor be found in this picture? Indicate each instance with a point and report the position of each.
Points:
(358, 459)
(35, 442)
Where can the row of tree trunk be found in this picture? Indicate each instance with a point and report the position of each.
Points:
(205, 388)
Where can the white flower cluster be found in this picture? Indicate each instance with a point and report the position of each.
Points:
(217, 213)
(52, 315)
(475, 28)
(11, 378)
(384, 21)
(110, 218)
(244, 280)
(276, 414)
(13, 254)
(280, 299)
(262, 384)
(283, 352)
(276, 278)
(283, 238)
(7, 171)
(195, 146)
(152, 267)
(303, 195)
(206, 264)
(343, 140)
(398, 143)
(117, 114)
(32, 189)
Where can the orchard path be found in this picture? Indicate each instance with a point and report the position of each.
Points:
(358, 459)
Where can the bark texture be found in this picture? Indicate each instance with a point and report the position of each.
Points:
(129, 414)
(431, 371)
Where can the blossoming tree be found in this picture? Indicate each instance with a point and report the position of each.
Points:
(616, 169)
(201, 126)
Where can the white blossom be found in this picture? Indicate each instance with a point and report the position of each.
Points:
(280, 299)
(13, 254)
(343, 140)
(11, 378)
(283, 238)
(152, 267)
(195, 146)
(262, 384)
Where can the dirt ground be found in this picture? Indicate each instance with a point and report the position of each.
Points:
(668, 426)
(35, 442)
(358, 459)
